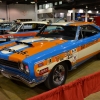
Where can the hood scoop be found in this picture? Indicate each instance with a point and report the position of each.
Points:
(26, 43)
(34, 41)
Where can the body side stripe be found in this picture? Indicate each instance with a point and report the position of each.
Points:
(85, 57)
(64, 50)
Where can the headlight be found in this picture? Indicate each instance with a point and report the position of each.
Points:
(24, 68)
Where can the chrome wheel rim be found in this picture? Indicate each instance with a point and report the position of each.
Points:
(59, 75)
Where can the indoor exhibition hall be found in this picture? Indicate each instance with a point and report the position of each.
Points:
(49, 49)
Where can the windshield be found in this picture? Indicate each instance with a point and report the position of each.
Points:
(57, 31)
(14, 27)
(4, 25)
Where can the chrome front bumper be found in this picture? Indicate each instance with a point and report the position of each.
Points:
(18, 78)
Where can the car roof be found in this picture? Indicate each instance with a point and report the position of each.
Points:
(72, 23)
(39, 22)
(81, 23)
(62, 23)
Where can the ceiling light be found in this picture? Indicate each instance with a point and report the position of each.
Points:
(55, 3)
(32, 2)
(46, 6)
(97, 11)
(80, 11)
(89, 11)
(60, 2)
(45, 1)
(86, 6)
(95, 8)
(16, 2)
(0, 1)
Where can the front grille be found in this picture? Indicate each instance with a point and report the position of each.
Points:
(9, 63)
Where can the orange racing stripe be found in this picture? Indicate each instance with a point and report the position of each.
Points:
(35, 49)
(38, 47)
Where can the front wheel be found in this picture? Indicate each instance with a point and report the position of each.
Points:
(57, 76)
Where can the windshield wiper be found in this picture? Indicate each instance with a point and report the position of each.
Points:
(29, 44)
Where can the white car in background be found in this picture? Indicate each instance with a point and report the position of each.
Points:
(22, 30)
(29, 26)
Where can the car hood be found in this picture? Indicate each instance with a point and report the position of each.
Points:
(19, 50)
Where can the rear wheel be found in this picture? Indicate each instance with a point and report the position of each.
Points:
(57, 76)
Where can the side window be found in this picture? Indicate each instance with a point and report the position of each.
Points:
(87, 31)
(37, 26)
(40, 26)
(28, 27)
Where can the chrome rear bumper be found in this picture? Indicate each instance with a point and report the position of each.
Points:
(18, 78)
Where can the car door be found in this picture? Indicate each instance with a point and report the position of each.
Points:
(88, 42)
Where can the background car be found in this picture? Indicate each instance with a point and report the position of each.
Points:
(57, 49)
(5, 26)
(21, 30)
(27, 26)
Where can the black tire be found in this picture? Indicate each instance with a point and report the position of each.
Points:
(98, 56)
(57, 76)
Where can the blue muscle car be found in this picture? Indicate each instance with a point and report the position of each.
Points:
(49, 56)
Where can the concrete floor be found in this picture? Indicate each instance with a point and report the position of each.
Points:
(13, 90)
